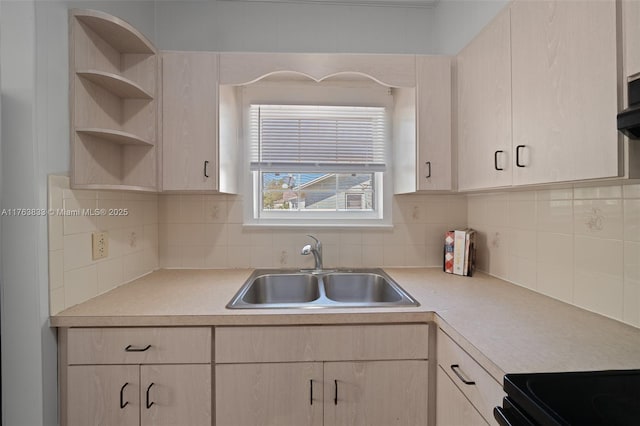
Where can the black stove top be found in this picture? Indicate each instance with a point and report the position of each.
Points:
(609, 398)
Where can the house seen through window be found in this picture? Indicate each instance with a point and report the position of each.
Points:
(317, 161)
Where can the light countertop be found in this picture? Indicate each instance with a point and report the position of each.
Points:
(508, 329)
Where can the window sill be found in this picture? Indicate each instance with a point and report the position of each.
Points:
(317, 225)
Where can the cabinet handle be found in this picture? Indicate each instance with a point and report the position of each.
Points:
(206, 163)
(122, 402)
(335, 395)
(428, 163)
(495, 160)
(310, 391)
(130, 348)
(518, 155)
(454, 368)
(148, 389)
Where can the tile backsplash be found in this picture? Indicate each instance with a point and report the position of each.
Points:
(580, 245)
(206, 231)
(133, 241)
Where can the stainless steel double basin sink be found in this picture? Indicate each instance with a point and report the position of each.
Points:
(267, 288)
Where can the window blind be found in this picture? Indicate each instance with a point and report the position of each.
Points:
(308, 138)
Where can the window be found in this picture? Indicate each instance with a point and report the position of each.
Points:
(317, 162)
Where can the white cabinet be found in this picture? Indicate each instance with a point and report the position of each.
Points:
(189, 120)
(295, 375)
(200, 142)
(135, 376)
(452, 407)
(484, 108)
(466, 394)
(422, 129)
(564, 79)
(631, 36)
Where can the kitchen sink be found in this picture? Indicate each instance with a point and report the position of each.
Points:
(360, 287)
(282, 288)
(267, 288)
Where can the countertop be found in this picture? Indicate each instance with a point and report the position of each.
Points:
(508, 329)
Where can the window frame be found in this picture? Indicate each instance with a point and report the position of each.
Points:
(342, 93)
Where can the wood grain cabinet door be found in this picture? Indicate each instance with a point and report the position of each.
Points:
(175, 395)
(189, 120)
(564, 87)
(278, 394)
(452, 407)
(375, 393)
(484, 108)
(103, 395)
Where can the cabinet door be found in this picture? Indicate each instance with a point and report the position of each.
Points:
(631, 31)
(564, 90)
(484, 108)
(284, 394)
(102, 395)
(433, 98)
(375, 393)
(189, 120)
(175, 395)
(452, 407)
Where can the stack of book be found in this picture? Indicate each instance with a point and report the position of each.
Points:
(460, 252)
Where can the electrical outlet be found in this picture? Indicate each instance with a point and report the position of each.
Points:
(100, 245)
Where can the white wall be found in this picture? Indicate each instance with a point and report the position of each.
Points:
(456, 22)
(289, 27)
(35, 142)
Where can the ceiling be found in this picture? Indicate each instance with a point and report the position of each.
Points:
(391, 3)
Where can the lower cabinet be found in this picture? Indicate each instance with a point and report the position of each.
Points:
(465, 393)
(363, 393)
(364, 375)
(452, 407)
(135, 376)
(139, 395)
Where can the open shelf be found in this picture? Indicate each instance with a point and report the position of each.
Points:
(115, 136)
(118, 33)
(116, 84)
(113, 107)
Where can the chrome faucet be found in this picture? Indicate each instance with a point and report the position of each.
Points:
(317, 253)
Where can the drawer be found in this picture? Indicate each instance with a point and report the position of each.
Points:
(139, 345)
(485, 393)
(321, 343)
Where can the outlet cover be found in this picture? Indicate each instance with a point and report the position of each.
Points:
(100, 245)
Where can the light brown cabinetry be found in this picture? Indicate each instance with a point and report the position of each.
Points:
(462, 382)
(137, 376)
(452, 407)
(346, 375)
(564, 79)
(189, 120)
(422, 129)
(113, 112)
(484, 108)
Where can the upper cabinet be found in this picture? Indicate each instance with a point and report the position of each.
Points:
(631, 39)
(538, 96)
(422, 129)
(565, 96)
(484, 108)
(113, 97)
(199, 125)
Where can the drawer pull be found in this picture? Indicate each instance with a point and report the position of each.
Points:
(206, 163)
(122, 401)
(455, 368)
(149, 404)
(428, 163)
(130, 348)
(335, 395)
(310, 391)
